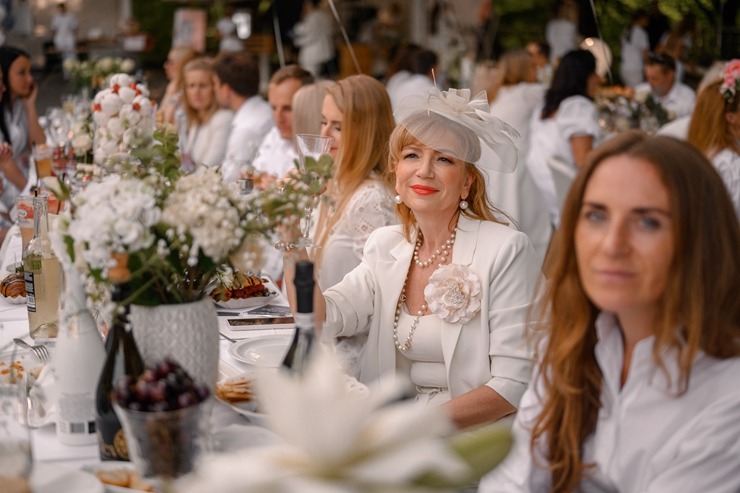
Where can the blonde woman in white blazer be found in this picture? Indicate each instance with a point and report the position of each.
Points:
(444, 296)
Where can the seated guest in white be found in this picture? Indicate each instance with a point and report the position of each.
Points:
(661, 82)
(636, 387)
(515, 97)
(567, 126)
(420, 66)
(208, 125)
(276, 153)
(449, 249)
(715, 130)
(20, 124)
(237, 87)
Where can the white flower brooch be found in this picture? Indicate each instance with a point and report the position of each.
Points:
(453, 293)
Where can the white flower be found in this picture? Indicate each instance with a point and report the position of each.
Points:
(642, 95)
(121, 80)
(453, 293)
(336, 440)
(127, 65)
(81, 144)
(127, 94)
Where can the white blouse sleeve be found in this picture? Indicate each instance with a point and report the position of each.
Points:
(218, 134)
(727, 164)
(576, 117)
(370, 208)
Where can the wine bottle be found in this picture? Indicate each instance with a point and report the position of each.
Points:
(122, 358)
(77, 363)
(300, 348)
(43, 276)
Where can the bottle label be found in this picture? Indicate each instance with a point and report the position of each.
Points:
(30, 293)
(76, 414)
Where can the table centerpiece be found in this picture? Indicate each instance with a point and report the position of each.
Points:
(173, 230)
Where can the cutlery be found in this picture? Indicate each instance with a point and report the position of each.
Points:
(38, 349)
(227, 337)
(228, 314)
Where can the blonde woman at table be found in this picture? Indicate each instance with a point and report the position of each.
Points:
(715, 128)
(172, 99)
(443, 296)
(636, 388)
(208, 125)
(356, 114)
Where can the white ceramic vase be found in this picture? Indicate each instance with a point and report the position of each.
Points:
(187, 332)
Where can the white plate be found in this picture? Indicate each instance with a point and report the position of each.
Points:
(49, 478)
(16, 300)
(266, 351)
(110, 466)
(253, 302)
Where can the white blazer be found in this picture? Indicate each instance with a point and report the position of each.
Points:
(488, 350)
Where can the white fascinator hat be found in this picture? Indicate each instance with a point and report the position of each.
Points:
(483, 140)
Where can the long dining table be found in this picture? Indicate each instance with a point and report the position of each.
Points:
(229, 429)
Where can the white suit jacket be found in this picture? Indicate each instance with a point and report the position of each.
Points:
(488, 350)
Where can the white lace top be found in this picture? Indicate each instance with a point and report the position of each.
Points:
(727, 163)
(370, 208)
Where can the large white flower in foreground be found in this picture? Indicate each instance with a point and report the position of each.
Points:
(337, 440)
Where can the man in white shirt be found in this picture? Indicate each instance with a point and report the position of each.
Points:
(237, 86)
(276, 153)
(674, 96)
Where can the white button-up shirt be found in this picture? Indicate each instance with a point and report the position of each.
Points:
(251, 123)
(276, 155)
(648, 439)
(679, 100)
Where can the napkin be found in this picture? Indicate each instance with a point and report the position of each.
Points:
(42, 399)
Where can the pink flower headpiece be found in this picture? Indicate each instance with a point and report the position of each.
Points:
(730, 80)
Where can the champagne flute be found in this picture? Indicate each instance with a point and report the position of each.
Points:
(310, 145)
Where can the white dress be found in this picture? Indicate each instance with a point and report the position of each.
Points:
(64, 27)
(516, 193)
(315, 40)
(727, 164)
(550, 138)
(647, 439)
(371, 207)
(206, 144)
(634, 44)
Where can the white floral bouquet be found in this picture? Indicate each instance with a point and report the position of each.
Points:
(123, 116)
(621, 108)
(175, 230)
(333, 437)
(91, 74)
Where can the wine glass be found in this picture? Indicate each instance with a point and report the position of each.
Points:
(15, 442)
(310, 145)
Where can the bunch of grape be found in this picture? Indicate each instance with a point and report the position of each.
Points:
(164, 387)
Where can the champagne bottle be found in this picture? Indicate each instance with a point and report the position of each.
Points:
(297, 356)
(123, 358)
(43, 276)
(77, 363)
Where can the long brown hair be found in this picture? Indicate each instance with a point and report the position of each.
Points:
(367, 122)
(708, 130)
(700, 308)
(427, 125)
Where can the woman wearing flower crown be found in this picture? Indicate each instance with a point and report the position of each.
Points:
(443, 296)
(715, 127)
(636, 388)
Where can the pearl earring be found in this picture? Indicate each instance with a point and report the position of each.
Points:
(463, 204)
(397, 199)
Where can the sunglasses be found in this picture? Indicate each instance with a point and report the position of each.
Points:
(661, 59)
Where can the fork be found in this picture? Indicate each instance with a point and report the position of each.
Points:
(41, 352)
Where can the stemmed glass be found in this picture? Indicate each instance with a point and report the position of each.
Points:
(310, 145)
(15, 443)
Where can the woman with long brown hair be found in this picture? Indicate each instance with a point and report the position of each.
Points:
(636, 388)
(715, 127)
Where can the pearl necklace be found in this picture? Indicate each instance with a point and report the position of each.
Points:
(406, 346)
(443, 251)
